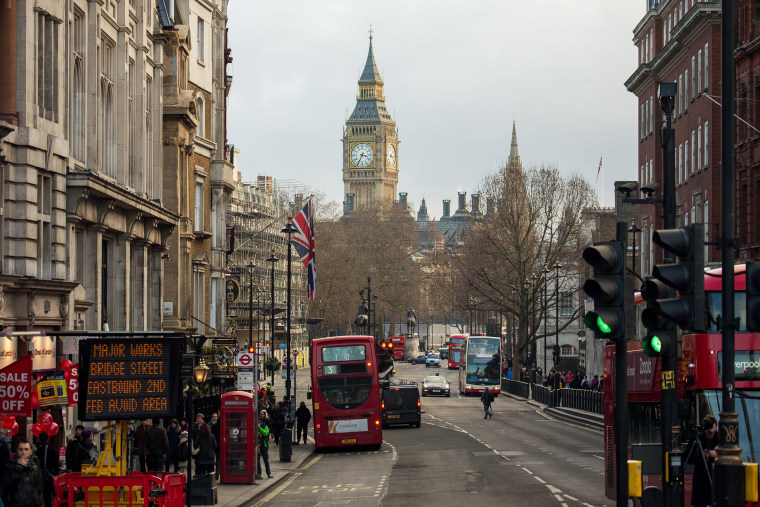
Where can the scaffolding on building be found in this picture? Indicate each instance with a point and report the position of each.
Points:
(256, 215)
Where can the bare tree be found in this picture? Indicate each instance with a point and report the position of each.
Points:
(537, 220)
(376, 242)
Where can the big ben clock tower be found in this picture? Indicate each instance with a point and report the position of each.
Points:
(370, 144)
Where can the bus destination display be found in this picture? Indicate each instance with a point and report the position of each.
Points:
(130, 378)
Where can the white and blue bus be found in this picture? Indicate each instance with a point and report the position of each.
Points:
(480, 366)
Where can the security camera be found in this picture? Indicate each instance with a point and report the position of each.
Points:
(650, 189)
(628, 188)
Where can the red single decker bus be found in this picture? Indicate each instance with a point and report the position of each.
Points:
(398, 345)
(699, 388)
(456, 347)
(346, 392)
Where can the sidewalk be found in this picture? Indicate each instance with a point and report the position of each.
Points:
(588, 420)
(239, 495)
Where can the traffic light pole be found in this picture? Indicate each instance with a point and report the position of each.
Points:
(621, 382)
(669, 361)
(728, 473)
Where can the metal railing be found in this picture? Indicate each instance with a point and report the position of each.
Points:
(578, 399)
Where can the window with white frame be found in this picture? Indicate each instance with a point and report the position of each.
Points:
(707, 81)
(706, 143)
(651, 170)
(693, 149)
(199, 292)
(200, 41)
(566, 304)
(198, 206)
(201, 112)
(686, 159)
(641, 127)
(44, 226)
(47, 65)
(651, 44)
(107, 125)
(130, 127)
(212, 320)
(693, 75)
(680, 94)
(699, 147)
(651, 114)
(680, 163)
(686, 90)
(78, 96)
(699, 72)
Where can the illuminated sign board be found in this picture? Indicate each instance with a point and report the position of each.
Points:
(129, 378)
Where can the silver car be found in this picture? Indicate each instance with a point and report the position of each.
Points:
(436, 385)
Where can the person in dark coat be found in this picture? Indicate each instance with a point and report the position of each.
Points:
(277, 421)
(203, 451)
(158, 446)
(303, 416)
(141, 437)
(48, 460)
(22, 484)
(701, 489)
(73, 446)
(487, 398)
(172, 435)
(215, 428)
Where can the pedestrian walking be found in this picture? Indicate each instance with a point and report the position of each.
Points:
(277, 422)
(72, 447)
(487, 398)
(303, 416)
(205, 458)
(263, 429)
(172, 435)
(158, 446)
(196, 429)
(47, 456)
(22, 484)
(141, 436)
(183, 451)
(215, 428)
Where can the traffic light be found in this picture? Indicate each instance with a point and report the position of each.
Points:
(555, 353)
(687, 276)
(607, 320)
(752, 277)
(250, 350)
(660, 339)
(660, 343)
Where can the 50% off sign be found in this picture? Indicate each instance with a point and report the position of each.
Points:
(15, 386)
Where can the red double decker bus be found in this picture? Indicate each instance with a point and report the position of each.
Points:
(346, 392)
(398, 345)
(456, 347)
(699, 386)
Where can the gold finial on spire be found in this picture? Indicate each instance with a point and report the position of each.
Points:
(370, 31)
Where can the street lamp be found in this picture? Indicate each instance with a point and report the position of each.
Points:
(200, 372)
(533, 279)
(545, 312)
(251, 265)
(633, 229)
(526, 285)
(469, 307)
(556, 314)
(430, 315)
(289, 229)
(272, 259)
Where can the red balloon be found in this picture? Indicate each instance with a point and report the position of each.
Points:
(8, 422)
(36, 429)
(66, 364)
(52, 429)
(35, 400)
(14, 429)
(45, 419)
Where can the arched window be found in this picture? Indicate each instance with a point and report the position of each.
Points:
(201, 113)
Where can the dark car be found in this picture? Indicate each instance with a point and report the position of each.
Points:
(401, 405)
(436, 385)
(421, 359)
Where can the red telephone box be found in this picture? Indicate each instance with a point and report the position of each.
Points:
(237, 433)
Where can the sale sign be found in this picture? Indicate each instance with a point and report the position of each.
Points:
(51, 390)
(15, 387)
(72, 384)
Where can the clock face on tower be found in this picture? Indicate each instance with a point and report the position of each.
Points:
(391, 158)
(361, 155)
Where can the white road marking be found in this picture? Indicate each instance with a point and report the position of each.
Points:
(571, 498)
(277, 490)
(553, 489)
(539, 479)
(393, 457)
(531, 473)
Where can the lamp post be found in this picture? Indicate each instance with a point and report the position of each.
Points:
(556, 312)
(546, 312)
(200, 373)
(533, 279)
(430, 315)
(633, 230)
(526, 285)
(469, 307)
(251, 265)
(289, 229)
(272, 259)
(374, 316)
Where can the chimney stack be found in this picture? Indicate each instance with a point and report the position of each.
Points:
(489, 206)
(402, 198)
(462, 201)
(475, 203)
(446, 208)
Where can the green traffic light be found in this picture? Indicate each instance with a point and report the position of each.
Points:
(602, 326)
(656, 344)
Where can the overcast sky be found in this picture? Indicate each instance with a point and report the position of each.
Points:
(456, 74)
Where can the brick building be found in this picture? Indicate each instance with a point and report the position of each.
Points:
(678, 41)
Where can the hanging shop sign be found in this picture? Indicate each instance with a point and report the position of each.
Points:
(7, 350)
(44, 353)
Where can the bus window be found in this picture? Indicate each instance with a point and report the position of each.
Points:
(346, 392)
(715, 303)
(344, 353)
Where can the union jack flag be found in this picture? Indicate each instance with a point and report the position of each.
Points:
(303, 242)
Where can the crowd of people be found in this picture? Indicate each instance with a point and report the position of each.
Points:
(558, 379)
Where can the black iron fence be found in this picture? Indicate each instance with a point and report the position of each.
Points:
(579, 399)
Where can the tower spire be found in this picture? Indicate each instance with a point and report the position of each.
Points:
(514, 157)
